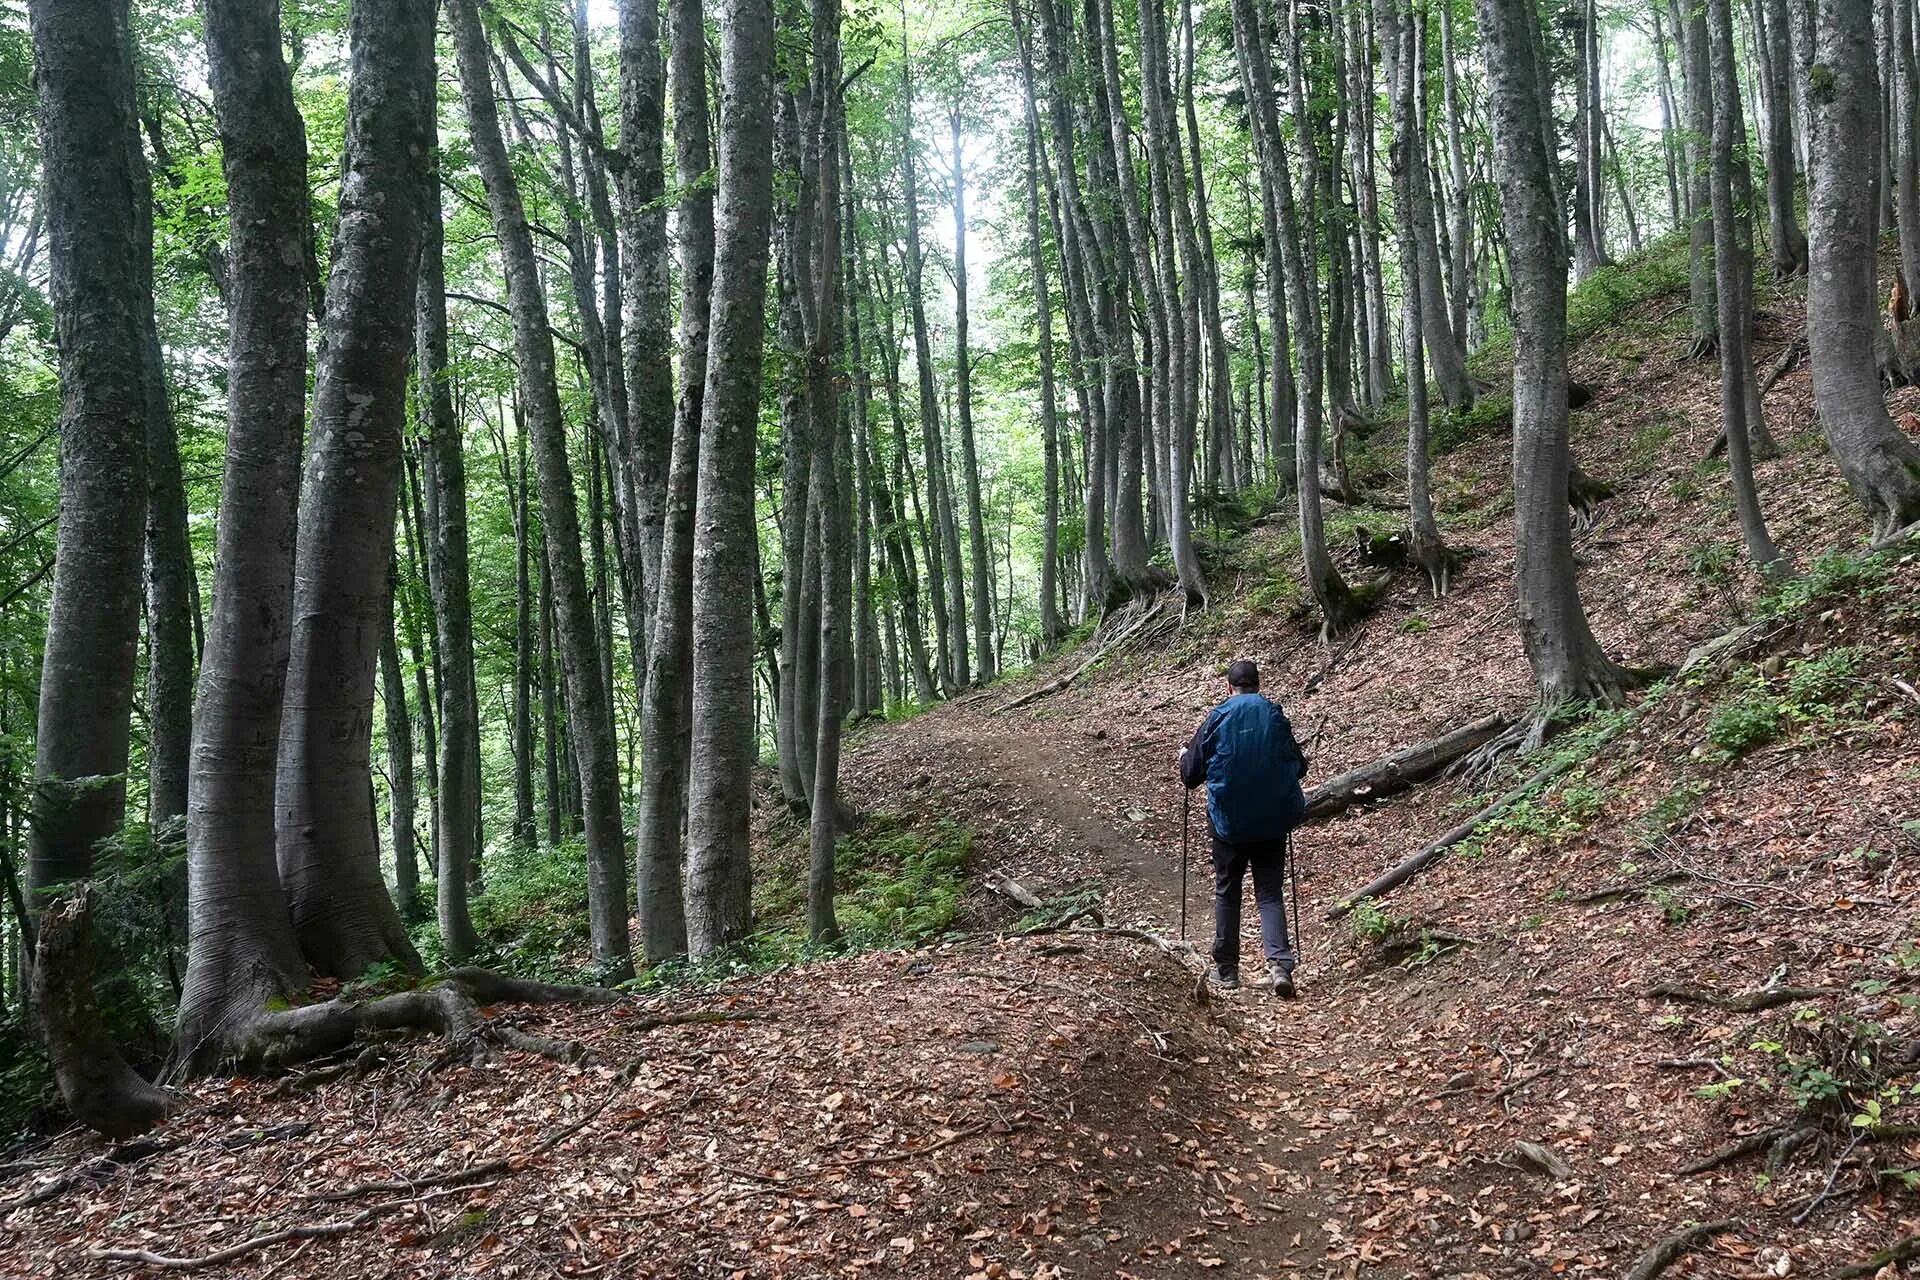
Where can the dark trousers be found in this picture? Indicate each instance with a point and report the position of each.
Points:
(1268, 861)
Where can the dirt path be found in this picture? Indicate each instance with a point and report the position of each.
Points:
(1058, 810)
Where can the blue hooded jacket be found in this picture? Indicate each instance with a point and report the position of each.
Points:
(1246, 753)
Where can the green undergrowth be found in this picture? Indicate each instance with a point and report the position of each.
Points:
(900, 885)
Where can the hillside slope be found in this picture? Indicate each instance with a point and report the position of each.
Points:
(1015, 1104)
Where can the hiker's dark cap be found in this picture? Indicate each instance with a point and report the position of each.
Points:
(1243, 675)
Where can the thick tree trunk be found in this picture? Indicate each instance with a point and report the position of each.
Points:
(1882, 466)
(89, 186)
(589, 708)
(341, 910)
(1566, 659)
(719, 874)
(647, 304)
(241, 950)
(457, 798)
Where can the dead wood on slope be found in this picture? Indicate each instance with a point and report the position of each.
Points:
(1124, 630)
(1401, 769)
(1670, 1249)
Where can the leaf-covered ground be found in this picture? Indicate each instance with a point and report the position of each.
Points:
(1059, 1106)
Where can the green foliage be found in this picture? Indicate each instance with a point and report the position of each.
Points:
(1371, 921)
(26, 1083)
(1832, 575)
(1414, 626)
(1672, 909)
(1648, 443)
(1746, 724)
(1713, 562)
(532, 916)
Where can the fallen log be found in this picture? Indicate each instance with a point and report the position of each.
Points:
(1401, 769)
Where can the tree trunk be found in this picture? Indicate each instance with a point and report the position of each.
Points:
(458, 795)
(523, 817)
(89, 184)
(1566, 659)
(979, 564)
(719, 874)
(1690, 28)
(1669, 142)
(1882, 466)
(589, 708)
(1424, 541)
(341, 910)
(1733, 258)
(666, 698)
(1788, 241)
(393, 696)
(1051, 626)
(242, 951)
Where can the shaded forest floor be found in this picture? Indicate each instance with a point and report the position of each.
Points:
(1058, 1106)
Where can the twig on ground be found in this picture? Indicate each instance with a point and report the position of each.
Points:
(1833, 1176)
(1514, 1086)
(1682, 1064)
(908, 1153)
(1726, 1155)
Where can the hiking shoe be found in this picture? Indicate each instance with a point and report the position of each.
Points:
(1282, 981)
(1226, 979)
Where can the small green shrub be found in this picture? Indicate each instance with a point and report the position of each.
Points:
(1369, 920)
(1834, 574)
(1672, 909)
(1825, 686)
(1746, 725)
(1415, 626)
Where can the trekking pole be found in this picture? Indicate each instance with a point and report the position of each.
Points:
(1186, 842)
(1293, 871)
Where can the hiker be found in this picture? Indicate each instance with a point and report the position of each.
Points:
(1246, 754)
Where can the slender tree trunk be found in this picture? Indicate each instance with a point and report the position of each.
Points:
(1429, 551)
(523, 817)
(393, 696)
(589, 715)
(1690, 29)
(1733, 257)
(1051, 626)
(719, 874)
(1789, 243)
(341, 910)
(1670, 146)
(458, 794)
(1882, 466)
(553, 794)
(241, 950)
(979, 565)
(1566, 659)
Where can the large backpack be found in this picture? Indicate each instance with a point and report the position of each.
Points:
(1254, 767)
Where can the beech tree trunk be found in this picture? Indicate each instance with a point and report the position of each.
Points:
(341, 910)
(457, 799)
(1789, 242)
(1882, 466)
(89, 186)
(666, 698)
(241, 950)
(589, 708)
(719, 874)
(393, 698)
(1690, 29)
(1733, 258)
(979, 563)
(1566, 659)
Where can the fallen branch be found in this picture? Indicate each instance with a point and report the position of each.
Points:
(1431, 853)
(1178, 952)
(1742, 1002)
(1400, 769)
(120, 1156)
(1012, 890)
(1833, 1176)
(1665, 1252)
(1512, 1087)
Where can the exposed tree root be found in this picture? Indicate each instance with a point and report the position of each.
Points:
(1584, 495)
(1741, 1002)
(1902, 1250)
(118, 1157)
(1669, 1250)
(1752, 1144)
